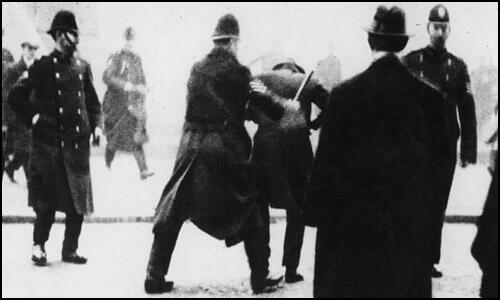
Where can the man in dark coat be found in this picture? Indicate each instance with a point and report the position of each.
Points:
(283, 157)
(212, 183)
(369, 190)
(485, 246)
(7, 60)
(124, 105)
(20, 135)
(59, 102)
(448, 73)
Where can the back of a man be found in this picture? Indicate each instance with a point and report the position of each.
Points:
(369, 191)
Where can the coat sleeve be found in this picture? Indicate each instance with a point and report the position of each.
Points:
(111, 75)
(468, 122)
(19, 97)
(92, 101)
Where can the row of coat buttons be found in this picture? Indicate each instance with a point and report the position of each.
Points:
(422, 72)
(61, 110)
(58, 76)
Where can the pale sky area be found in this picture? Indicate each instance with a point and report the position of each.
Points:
(172, 36)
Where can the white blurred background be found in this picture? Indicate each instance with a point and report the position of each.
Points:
(172, 36)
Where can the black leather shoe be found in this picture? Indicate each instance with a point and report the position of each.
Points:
(293, 277)
(266, 286)
(435, 273)
(38, 256)
(158, 286)
(74, 258)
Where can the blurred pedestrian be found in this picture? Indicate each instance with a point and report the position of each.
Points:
(7, 60)
(19, 134)
(124, 105)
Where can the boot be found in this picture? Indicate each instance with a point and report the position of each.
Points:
(38, 256)
(157, 285)
(73, 258)
(291, 276)
(264, 285)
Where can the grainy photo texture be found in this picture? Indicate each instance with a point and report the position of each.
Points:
(230, 150)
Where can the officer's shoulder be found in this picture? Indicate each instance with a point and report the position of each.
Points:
(82, 62)
(456, 60)
(413, 54)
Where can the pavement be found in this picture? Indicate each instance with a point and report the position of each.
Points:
(117, 239)
(120, 196)
(201, 266)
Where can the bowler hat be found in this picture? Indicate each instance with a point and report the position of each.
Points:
(289, 65)
(64, 20)
(227, 28)
(389, 22)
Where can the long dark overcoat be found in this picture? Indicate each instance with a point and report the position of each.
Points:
(369, 190)
(60, 90)
(19, 135)
(124, 111)
(213, 181)
(284, 157)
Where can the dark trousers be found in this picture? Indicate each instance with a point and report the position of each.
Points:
(254, 239)
(294, 235)
(139, 155)
(443, 179)
(43, 224)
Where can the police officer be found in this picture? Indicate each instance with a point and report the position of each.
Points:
(449, 74)
(212, 184)
(59, 102)
(19, 136)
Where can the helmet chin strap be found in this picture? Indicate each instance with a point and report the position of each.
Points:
(70, 40)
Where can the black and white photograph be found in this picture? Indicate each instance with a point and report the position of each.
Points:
(250, 149)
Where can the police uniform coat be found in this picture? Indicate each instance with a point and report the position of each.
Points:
(124, 109)
(284, 157)
(368, 194)
(450, 75)
(60, 89)
(213, 181)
